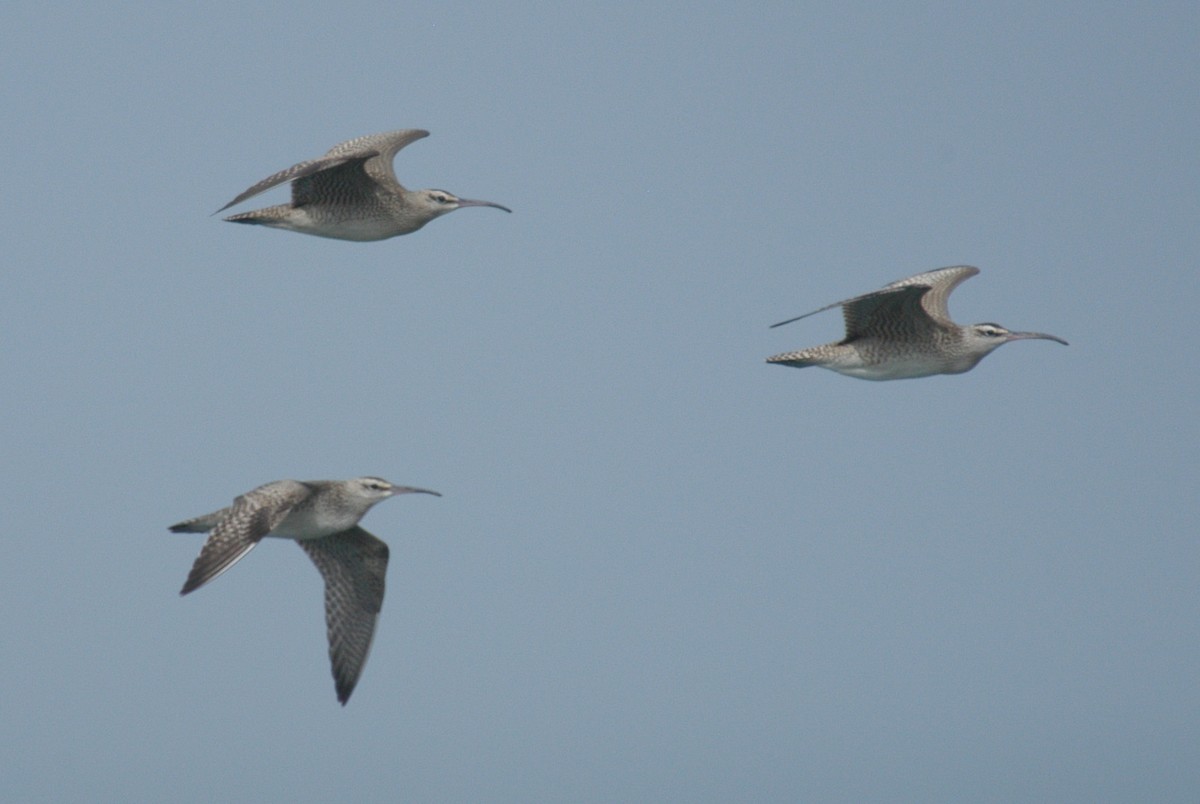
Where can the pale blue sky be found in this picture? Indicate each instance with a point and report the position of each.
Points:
(662, 570)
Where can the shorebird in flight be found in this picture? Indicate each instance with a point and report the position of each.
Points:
(322, 517)
(904, 331)
(351, 193)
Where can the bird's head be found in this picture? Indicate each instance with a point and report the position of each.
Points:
(376, 489)
(439, 202)
(986, 337)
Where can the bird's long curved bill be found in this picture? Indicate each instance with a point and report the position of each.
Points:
(471, 202)
(1021, 336)
(413, 490)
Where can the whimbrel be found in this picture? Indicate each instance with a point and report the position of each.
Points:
(351, 193)
(904, 331)
(322, 517)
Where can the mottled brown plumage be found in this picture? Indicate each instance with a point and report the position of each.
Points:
(322, 516)
(351, 193)
(904, 331)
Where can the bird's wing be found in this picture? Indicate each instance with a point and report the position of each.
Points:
(344, 183)
(353, 564)
(941, 284)
(302, 170)
(861, 311)
(378, 150)
(890, 313)
(349, 172)
(896, 298)
(251, 517)
(814, 312)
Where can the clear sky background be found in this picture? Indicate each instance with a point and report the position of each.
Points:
(662, 570)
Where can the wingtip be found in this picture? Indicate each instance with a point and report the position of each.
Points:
(195, 579)
(797, 318)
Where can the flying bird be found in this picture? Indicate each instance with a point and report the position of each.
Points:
(351, 193)
(904, 331)
(322, 517)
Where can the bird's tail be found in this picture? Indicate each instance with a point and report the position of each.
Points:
(248, 217)
(199, 524)
(277, 215)
(794, 359)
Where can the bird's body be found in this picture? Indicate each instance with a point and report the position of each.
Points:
(322, 517)
(904, 331)
(351, 193)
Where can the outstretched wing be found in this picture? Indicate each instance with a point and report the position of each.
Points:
(298, 171)
(888, 313)
(864, 314)
(350, 170)
(379, 150)
(353, 564)
(941, 284)
(251, 517)
(918, 300)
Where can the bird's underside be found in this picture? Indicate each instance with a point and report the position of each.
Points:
(352, 562)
